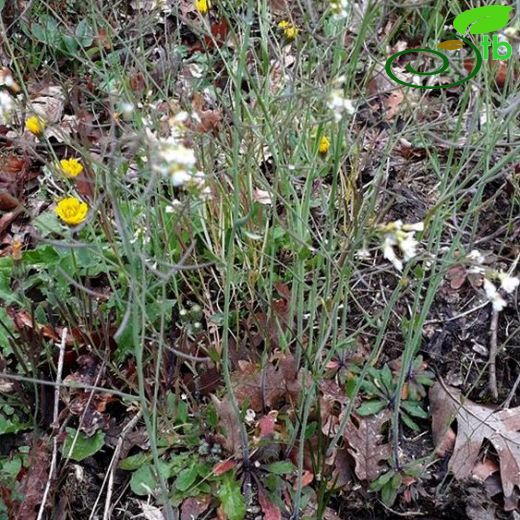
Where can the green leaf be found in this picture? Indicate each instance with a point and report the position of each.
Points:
(370, 388)
(377, 484)
(371, 408)
(389, 493)
(281, 468)
(48, 223)
(414, 409)
(84, 446)
(5, 323)
(387, 378)
(134, 461)
(84, 33)
(46, 255)
(11, 424)
(231, 497)
(187, 478)
(426, 378)
(409, 422)
(144, 481)
(71, 45)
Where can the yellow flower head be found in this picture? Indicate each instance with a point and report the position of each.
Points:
(35, 125)
(71, 167)
(290, 31)
(324, 145)
(202, 6)
(72, 210)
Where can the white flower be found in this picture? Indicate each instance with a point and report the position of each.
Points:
(389, 253)
(408, 246)
(339, 8)
(339, 104)
(403, 236)
(262, 197)
(494, 296)
(126, 108)
(419, 226)
(6, 107)
(250, 416)
(180, 177)
(174, 161)
(476, 256)
(363, 253)
(508, 283)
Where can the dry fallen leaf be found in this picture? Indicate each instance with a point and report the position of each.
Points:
(151, 512)
(268, 386)
(194, 507)
(49, 104)
(271, 511)
(207, 120)
(32, 484)
(230, 424)
(457, 276)
(366, 445)
(475, 423)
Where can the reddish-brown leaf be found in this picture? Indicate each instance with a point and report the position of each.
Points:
(267, 423)
(193, 507)
(271, 511)
(33, 483)
(229, 423)
(307, 478)
(223, 467)
(457, 276)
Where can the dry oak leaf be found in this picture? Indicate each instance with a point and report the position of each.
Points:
(206, 120)
(266, 387)
(194, 507)
(366, 445)
(229, 423)
(475, 423)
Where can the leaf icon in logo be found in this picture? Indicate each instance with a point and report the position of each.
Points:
(450, 45)
(481, 20)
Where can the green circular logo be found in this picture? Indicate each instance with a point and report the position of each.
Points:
(439, 70)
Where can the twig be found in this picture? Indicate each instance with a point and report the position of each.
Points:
(55, 423)
(458, 316)
(507, 402)
(493, 354)
(112, 467)
(74, 386)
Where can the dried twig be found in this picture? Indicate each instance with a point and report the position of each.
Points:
(55, 423)
(493, 354)
(112, 468)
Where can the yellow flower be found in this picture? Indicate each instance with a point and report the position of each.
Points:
(290, 31)
(71, 167)
(202, 6)
(35, 125)
(72, 211)
(324, 145)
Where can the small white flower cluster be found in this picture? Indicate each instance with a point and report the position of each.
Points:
(337, 102)
(339, 8)
(6, 107)
(400, 236)
(506, 281)
(173, 160)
